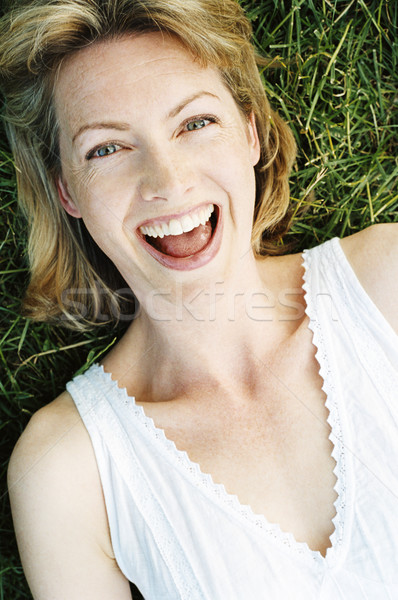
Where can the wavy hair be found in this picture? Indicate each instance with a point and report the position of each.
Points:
(72, 281)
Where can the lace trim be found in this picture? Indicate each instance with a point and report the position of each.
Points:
(204, 481)
(331, 403)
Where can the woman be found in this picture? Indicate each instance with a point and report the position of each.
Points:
(146, 151)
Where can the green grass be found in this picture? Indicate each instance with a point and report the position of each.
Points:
(337, 89)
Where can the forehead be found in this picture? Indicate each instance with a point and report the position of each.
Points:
(111, 73)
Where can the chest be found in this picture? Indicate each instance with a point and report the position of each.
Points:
(273, 452)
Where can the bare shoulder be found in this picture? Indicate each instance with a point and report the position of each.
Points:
(55, 432)
(379, 241)
(373, 254)
(58, 509)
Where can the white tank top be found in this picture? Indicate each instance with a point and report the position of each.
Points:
(178, 535)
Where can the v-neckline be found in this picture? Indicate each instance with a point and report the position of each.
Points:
(231, 502)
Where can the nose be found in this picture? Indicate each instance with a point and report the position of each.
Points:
(166, 175)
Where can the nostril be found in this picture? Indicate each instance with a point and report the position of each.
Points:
(149, 198)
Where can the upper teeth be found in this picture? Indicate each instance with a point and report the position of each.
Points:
(177, 226)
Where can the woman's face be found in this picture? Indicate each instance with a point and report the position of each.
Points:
(150, 142)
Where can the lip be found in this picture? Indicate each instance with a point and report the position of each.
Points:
(187, 263)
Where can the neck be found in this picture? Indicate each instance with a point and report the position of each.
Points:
(214, 336)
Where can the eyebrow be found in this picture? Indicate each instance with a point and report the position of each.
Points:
(101, 125)
(120, 126)
(174, 112)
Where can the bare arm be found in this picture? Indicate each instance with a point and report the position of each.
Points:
(59, 512)
(373, 254)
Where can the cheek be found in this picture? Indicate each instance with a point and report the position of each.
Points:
(233, 169)
(103, 222)
(231, 164)
(102, 198)
(101, 214)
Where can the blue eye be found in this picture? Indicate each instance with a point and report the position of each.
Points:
(102, 151)
(199, 123)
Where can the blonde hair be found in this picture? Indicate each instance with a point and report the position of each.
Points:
(66, 265)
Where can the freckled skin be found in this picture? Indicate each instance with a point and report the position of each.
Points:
(160, 168)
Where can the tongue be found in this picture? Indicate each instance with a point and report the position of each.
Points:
(186, 244)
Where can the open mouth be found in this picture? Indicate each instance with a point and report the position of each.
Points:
(185, 242)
